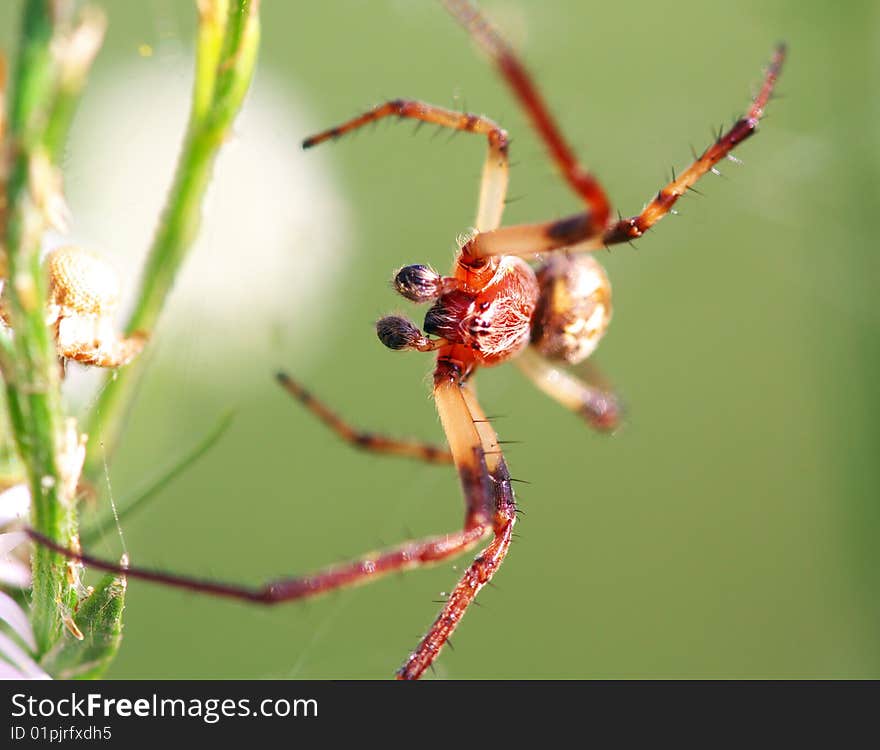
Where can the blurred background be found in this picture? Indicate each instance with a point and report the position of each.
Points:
(728, 530)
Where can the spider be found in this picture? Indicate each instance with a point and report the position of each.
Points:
(83, 300)
(493, 307)
(82, 303)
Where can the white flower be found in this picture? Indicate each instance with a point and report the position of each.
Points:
(15, 505)
(16, 661)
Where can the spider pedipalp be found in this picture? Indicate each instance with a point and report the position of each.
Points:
(418, 283)
(399, 334)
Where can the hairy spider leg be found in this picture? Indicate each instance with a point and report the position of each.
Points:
(578, 232)
(518, 79)
(484, 471)
(465, 446)
(493, 187)
(368, 568)
(365, 440)
(464, 443)
(634, 227)
(489, 507)
(593, 401)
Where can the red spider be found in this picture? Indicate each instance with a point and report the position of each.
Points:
(492, 308)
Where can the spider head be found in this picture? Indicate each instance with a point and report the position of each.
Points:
(491, 318)
(574, 308)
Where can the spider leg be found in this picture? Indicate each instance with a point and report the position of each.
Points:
(368, 441)
(579, 232)
(371, 566)
(488, 507)
(590, 398)
(634, 227)
(483, 467)
(467, 450)
(493, 187)
(517, 77)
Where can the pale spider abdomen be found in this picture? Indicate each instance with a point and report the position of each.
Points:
(574, 308)
(81, 282)
(495, 322)
(84, 294)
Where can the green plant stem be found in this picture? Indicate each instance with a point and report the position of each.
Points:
(228, 39)
(75, 52)
(30, 370)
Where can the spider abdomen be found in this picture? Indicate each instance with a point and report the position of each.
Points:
(574, 308)
(494, 321)
(81, 281)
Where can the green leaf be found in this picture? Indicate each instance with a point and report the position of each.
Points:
(99, 618)
(227, 45)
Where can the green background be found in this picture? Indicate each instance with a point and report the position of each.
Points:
(728, 530)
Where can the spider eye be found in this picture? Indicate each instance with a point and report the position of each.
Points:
(418, 283)
(397, 333)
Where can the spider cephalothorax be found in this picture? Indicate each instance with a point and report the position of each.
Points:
(493, 307)
(489, 312)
